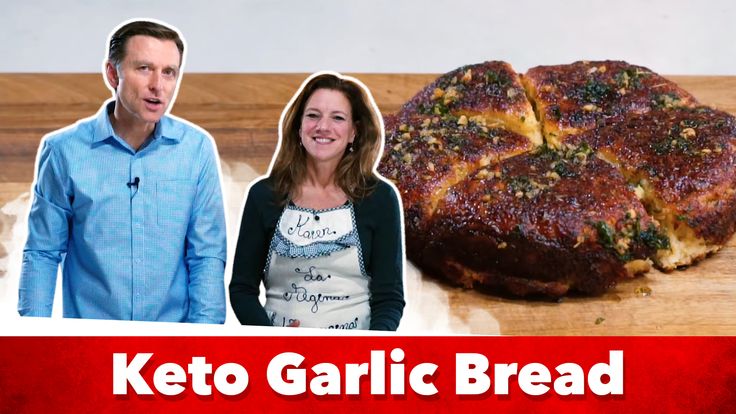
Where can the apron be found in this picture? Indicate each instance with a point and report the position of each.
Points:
(315, 272)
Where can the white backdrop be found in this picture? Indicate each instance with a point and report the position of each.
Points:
(668, 36)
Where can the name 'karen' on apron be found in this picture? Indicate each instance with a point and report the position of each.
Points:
(315, 272)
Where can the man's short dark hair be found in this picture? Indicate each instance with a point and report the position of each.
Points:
(120, 38)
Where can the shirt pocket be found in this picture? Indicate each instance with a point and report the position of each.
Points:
(174, 201)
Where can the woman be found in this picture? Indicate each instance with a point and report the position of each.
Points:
(322, 230)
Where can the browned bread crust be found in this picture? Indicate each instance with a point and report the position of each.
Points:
(572, 98)
(683, 161)
(524, 227)
(428, 154)
(491, 91)
(632, 169)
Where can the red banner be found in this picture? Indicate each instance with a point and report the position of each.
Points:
(280, 374)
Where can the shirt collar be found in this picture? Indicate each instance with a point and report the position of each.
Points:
(165, 127)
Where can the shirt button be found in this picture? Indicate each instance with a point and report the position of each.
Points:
(137, 260)
(316, 217)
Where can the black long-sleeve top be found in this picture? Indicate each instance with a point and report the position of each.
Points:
(378, 218)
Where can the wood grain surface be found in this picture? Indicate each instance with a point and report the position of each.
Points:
(241, 111)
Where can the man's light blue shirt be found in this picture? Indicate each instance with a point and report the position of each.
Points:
(155, 251)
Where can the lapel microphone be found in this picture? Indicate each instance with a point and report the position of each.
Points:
(134, 183)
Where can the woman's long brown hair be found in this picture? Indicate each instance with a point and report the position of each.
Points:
(354, 174)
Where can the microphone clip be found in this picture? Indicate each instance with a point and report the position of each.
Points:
(134, 183)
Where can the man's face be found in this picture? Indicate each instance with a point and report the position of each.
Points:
(145, 80)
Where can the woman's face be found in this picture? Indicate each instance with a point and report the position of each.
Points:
(327, 125)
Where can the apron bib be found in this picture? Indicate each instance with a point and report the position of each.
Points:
(315, 273)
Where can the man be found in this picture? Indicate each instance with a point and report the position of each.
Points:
(131, 199)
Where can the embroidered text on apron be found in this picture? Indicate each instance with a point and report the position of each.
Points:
(315, 273)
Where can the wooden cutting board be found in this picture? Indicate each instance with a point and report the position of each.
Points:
(241, 111)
